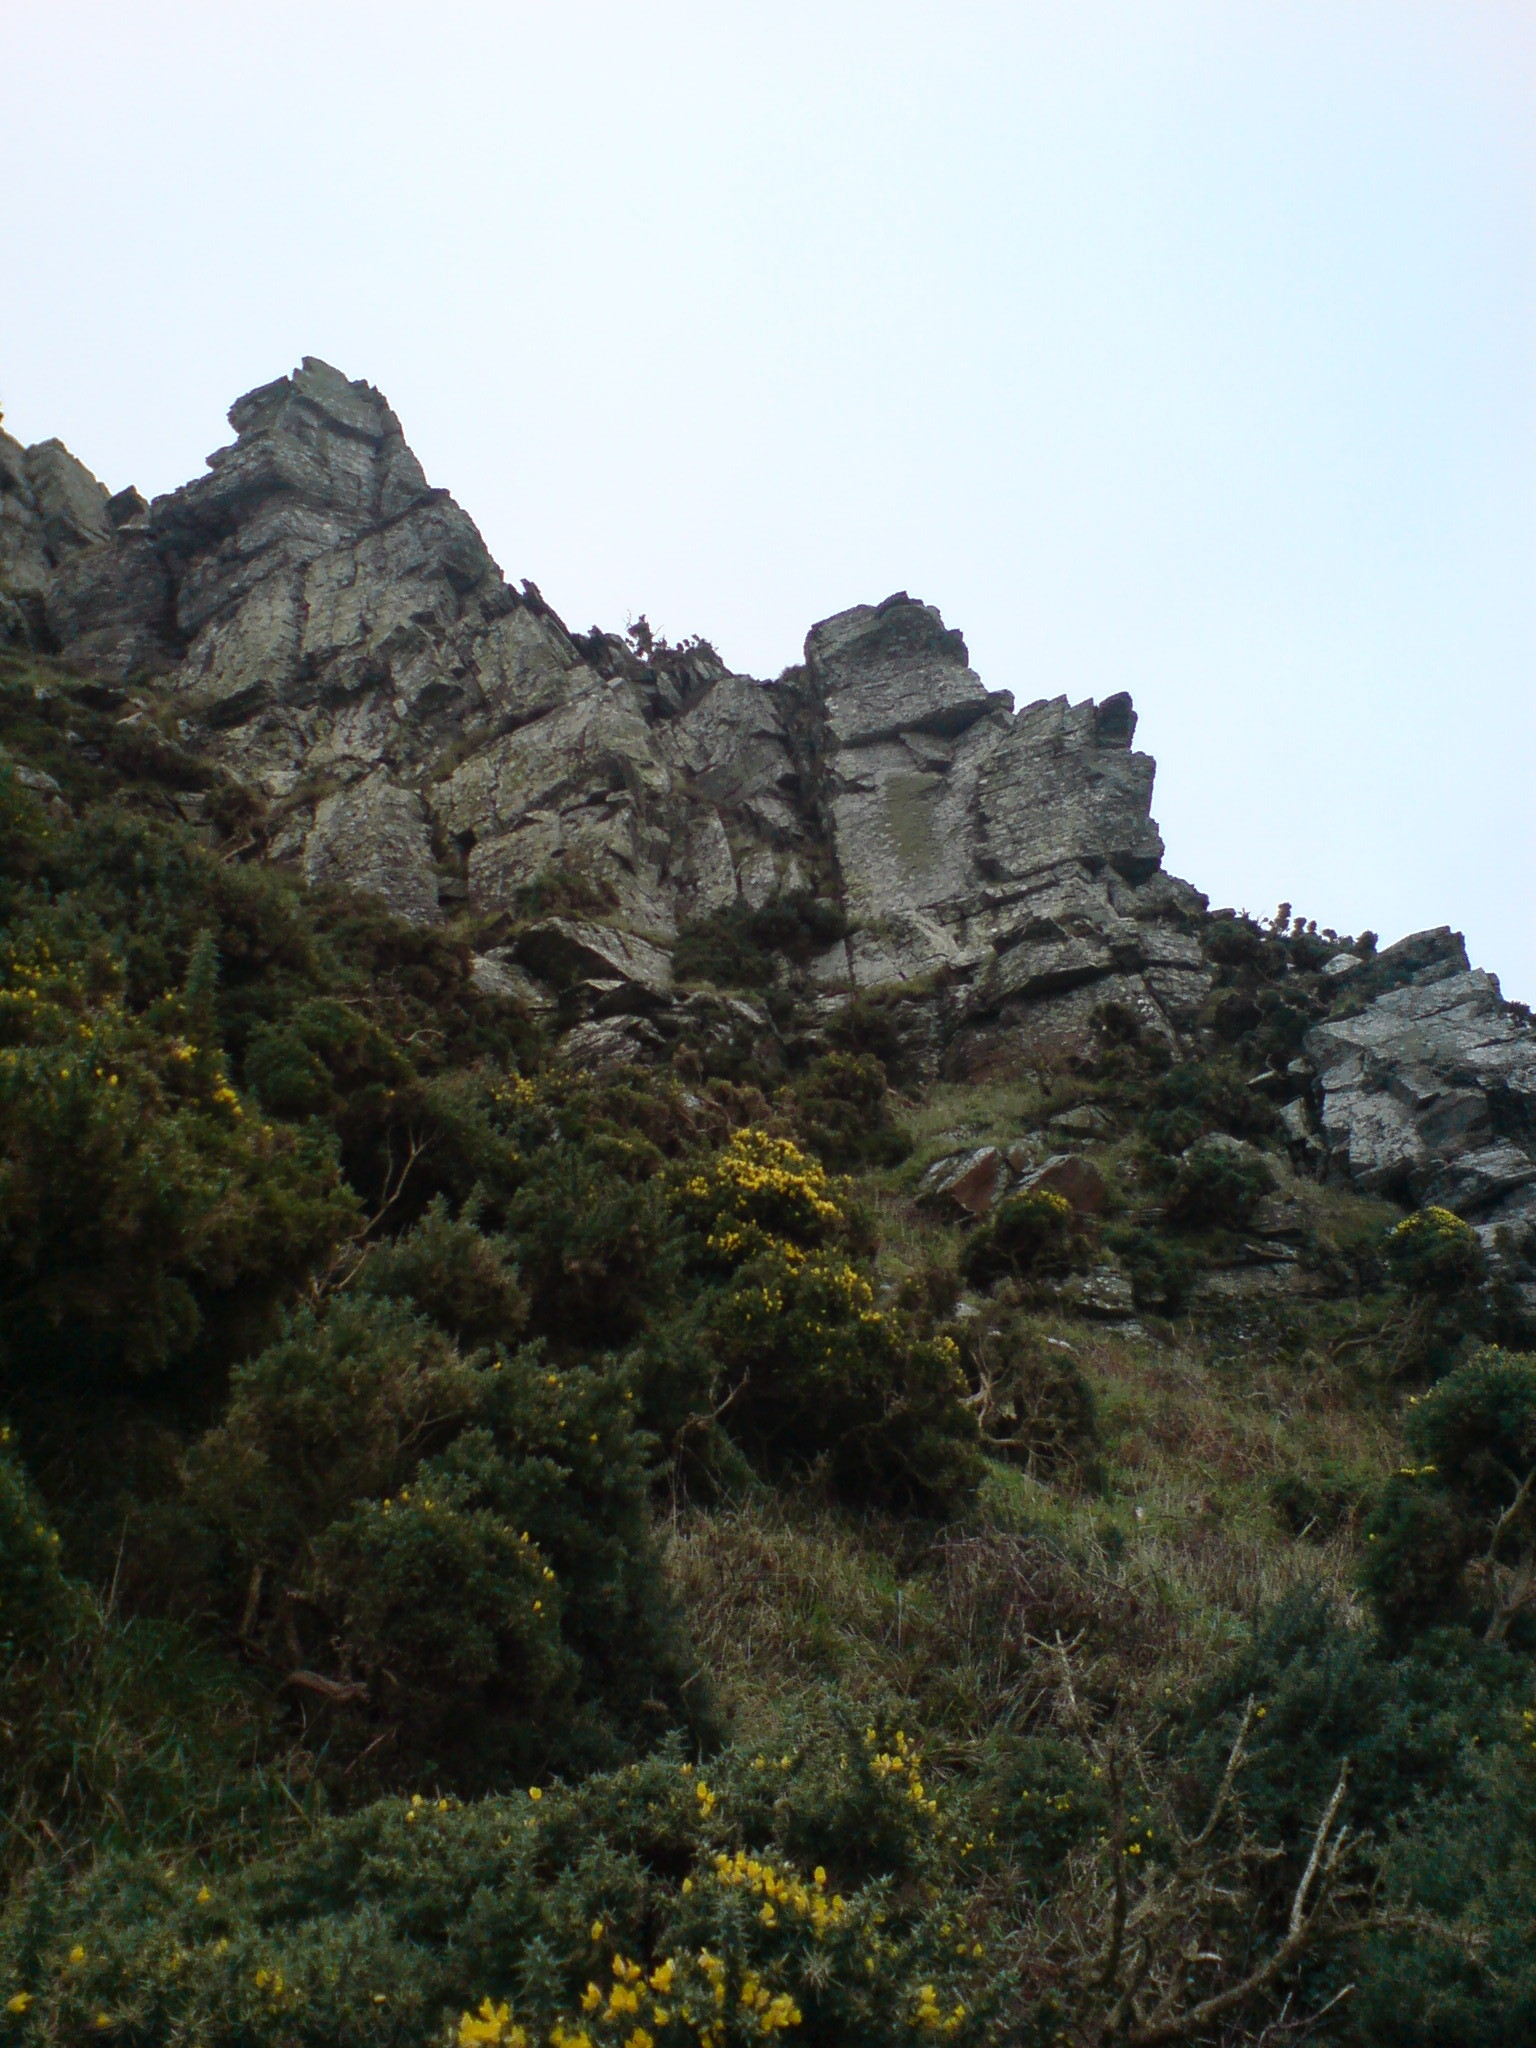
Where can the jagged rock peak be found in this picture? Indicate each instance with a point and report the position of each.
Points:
(337, 631)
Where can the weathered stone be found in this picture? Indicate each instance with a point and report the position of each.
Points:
(970, 1181)
(1278, 1216)
(111, 607)
(1082, 1122)
(564, 949)
(334, 628)
(50, 507)
(1075, 1179)
(1103, 1293)
(1429, 1091)
(496, 973)
(614, 1042)
(373, 836)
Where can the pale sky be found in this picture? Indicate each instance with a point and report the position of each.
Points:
(1179, 346)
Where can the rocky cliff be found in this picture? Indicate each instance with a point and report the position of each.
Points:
(334, 629)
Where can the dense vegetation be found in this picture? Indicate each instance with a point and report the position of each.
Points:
(495, 1553)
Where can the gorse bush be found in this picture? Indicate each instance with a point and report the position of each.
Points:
(723, 1905)
(1434, 1252)
(174, 1197)
(446, 1555)
(811, 1372)
(1200, 1096)
(1034, 1233)
(740, 947)
(843, 1110)
(1454, 1534)
(1216, 1185)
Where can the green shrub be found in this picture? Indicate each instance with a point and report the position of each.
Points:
(1027, 1236)
(1433, 1252)
(448, 1552)
(115, 1732)
(461, 1278)
(816, 1374)
(1031, 1401)
(1199, 1096)
(739, 947)
(843, 1109)
(595, 1249)
(1316, 1503)
(1216, 1186)
(1162, 1270)
(1438, 1744)
(810, 1894)
(809, 1372)
(38, 1604)
(136, 1191)
(1455, 1531)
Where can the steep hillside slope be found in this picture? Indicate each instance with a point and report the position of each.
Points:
(688, 1355)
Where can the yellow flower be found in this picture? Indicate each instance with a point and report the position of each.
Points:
(77, 1955)
(19, 2002)
(204, 1895)
(492, 2025)
(535, 1791)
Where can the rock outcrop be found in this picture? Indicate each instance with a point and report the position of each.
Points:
(1426, 1088)
(336, 631)
(51, 508)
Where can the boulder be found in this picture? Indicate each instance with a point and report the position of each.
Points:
(497, 973)
(970, 1181)
(1075, 1179)
(1103, 1293)
(563, 950)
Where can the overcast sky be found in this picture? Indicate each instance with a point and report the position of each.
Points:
(1179, 346)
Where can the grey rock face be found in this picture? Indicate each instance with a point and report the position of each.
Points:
(336, 630)
(1015, 851)
(50, 508)
(1428, 1091)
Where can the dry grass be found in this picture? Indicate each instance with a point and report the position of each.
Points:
(1157, 1577)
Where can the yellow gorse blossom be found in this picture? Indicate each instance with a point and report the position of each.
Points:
(782, 1891)
(492, 2025)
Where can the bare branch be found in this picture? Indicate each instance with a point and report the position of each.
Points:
(1321, 1853)
(340, 1691)
(1237, 1756)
